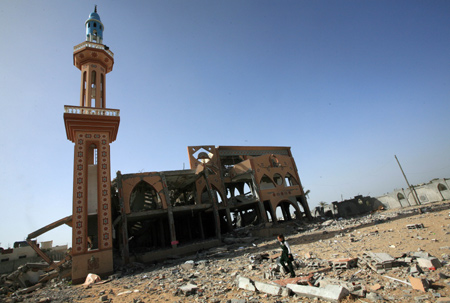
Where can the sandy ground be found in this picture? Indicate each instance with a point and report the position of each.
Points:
(342, 239)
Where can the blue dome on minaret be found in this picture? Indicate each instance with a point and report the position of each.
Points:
(94, 28)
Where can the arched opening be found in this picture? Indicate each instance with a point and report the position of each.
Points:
(247, 190)
(271, 216)
(286, 211)
(216, 194)
(83, 89)
(144, 197)
(402, 200)
(266, 183)
(102, 91)
(290, 180)
(93, 87)
(444, 191)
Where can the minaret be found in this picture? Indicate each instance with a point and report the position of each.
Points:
(92, 127)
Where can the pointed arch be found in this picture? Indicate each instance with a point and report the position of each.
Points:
(287, 210)
(266, 183)
(144, 197)
(290, 180)
(207, 199)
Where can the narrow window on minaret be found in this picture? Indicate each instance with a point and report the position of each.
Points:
(93, 87)
(102, 91)
(83, 96)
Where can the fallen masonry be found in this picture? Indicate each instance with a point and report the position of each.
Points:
(248, 272)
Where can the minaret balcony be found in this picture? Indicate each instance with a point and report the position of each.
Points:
(91, 111)
(87, 44)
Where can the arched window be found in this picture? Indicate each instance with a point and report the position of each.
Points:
(84, 101)
(95, 24)
(266, 183)
(442, 187)
(102, 91)
(247, 189)
(93, 87)
(400, 196)
(290, 180)
(144, 197)
(206, 197)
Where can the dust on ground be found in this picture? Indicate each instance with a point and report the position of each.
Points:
(215, 276)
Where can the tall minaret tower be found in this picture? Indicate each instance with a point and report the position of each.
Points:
(92, 127)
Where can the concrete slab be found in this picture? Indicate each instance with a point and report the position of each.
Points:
(267, 288)
(333, 293)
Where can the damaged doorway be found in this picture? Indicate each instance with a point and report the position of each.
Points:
(286, 211)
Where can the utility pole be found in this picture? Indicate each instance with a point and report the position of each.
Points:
(411, 188)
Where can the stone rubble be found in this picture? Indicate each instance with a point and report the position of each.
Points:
(246, 270)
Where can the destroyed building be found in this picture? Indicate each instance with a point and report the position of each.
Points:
(358, 205)
(150, 216)
(226, 187)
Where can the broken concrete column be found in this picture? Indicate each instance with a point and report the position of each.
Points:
(333, 293)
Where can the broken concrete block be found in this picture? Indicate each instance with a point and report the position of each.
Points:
(415, 226)
(188, 288)
(429, 262)
(419, 284)
(245, 283)
(344, 263)
(268, 288)
(443, 300)
(333, 293)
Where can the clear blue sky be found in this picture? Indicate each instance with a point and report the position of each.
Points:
(346, 84)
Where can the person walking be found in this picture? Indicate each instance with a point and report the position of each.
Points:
(286, 255)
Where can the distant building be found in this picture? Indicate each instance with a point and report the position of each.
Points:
(359, 205)
(22, 253)
(433, 191)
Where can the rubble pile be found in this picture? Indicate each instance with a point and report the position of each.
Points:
(401, 256)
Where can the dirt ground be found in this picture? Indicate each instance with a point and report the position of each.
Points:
(381, 232)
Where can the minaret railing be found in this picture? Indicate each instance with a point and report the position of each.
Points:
(91, 111)
(93, 45)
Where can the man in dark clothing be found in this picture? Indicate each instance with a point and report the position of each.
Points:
(286, 255)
